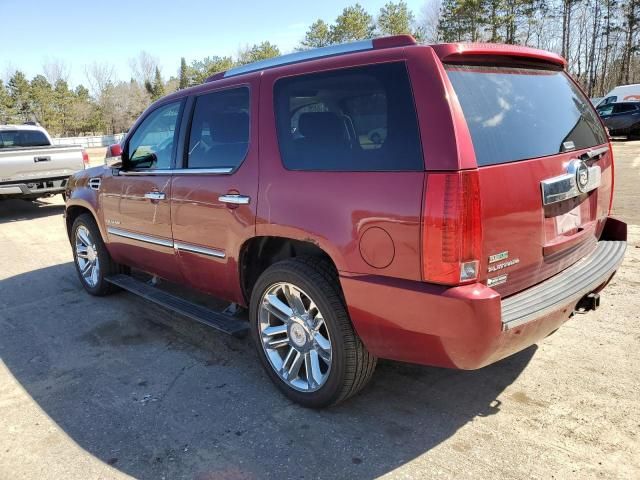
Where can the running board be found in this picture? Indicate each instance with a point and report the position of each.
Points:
(219, 321)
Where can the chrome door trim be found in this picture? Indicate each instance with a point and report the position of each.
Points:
(118, 232)
(565, 186)
(235, 199)
(187, 247)
(177, 171)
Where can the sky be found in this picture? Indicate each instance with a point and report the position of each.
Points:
(79, 33)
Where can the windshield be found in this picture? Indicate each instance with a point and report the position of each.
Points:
(520, 113)
(22, 138)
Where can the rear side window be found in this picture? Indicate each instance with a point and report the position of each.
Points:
(623, 108)
(521, 113)
(219, 136)
(22, 138)
(357, 119)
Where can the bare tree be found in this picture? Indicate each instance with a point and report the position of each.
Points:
(143, 67)
(55, 69)
(429, 20)
(99, 76)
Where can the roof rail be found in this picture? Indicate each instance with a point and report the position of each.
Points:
(306, 55)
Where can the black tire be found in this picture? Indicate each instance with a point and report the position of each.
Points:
(351, 364)
(106, 263)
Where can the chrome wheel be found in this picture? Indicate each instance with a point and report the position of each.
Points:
(294, 337)
(87, 257)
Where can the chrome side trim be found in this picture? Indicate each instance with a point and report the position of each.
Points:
(330, 51)
(187, 247)
(118, 232)
(177, 171)
(565, 186)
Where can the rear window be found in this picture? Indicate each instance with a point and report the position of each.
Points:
(356, 119)
(22, 138)
(519, 113)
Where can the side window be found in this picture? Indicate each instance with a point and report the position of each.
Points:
(219, 136)
(356, 119)
(623, 108)
(606, 110)
(151, 145)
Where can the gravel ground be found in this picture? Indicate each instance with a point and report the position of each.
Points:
(114, 387)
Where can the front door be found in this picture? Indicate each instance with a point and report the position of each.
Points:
(136, 199)
(214, 195)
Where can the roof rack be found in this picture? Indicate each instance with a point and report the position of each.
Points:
(306, 55)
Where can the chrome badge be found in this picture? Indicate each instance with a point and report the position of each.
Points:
(581, 171)
(498, 256)
(499, 280)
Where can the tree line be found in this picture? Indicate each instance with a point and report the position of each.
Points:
(599, 38)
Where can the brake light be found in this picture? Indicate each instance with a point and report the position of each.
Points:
(85, 158)
(452, 228)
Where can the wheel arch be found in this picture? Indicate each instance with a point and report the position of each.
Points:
(259, 253)
(77, 207)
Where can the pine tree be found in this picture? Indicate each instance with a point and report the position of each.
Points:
(184, 74)
(354, 23)
(318, 35)
(395, 19)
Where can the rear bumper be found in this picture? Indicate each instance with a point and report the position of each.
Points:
(471, 326)
(35, 187)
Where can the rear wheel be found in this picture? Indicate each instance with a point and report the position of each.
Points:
(303, 334)
(92, 260)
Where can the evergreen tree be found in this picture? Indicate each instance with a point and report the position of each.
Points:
(184, 74)
(258, 52)
(19, 94)
(318, 35)
(155, 88)
(395, 19)
(354, 23)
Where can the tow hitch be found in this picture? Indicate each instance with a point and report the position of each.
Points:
(588, 302)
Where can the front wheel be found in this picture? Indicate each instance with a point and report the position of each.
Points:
(92, 260)
(304, 336)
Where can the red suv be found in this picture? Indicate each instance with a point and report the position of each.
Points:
(444, 205)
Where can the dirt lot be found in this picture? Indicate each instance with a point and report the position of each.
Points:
(110, 387)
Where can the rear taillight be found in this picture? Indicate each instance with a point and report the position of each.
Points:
(85, 158)
(452, 228)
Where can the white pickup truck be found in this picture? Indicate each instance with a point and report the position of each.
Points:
(31, 167)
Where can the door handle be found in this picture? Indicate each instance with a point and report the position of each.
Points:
(155, 195)
(235, 199)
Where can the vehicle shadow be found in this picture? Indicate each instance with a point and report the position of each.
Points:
(156, 395)
(16, 210)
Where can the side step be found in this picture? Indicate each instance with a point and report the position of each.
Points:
(220, 321)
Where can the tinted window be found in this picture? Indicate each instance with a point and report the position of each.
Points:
(151, 145)
(354, 119)
(219, 130)
(517, 113)
(22, 138)
(623, 108)
(606, 110)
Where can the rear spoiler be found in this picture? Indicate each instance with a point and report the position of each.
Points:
(460, 52)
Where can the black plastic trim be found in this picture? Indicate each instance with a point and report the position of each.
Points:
(220, 321)
(564, 288)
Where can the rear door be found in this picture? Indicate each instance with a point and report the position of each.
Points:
(545, 170)
(214, 194)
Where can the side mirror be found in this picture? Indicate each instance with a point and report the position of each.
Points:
(113, 157)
